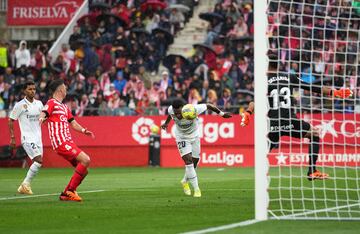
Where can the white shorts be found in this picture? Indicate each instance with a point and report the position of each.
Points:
(186, 146)
(33, 149)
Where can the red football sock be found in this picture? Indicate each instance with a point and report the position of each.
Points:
(77, 178)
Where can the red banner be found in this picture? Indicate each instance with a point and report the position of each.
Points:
(134, 131)
(123, 141)
(40, 12)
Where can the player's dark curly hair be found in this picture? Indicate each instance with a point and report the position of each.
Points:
(28, 83)
(178, 103)
(55, 84)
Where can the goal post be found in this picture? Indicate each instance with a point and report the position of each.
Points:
(261, 149)
(319, 42)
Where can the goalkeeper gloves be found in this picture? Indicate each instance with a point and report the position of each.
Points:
(341, 93)
(245, 118)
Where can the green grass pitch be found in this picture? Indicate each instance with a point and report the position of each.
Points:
(142, 200)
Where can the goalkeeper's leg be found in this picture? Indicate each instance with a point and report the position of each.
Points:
(314, 148)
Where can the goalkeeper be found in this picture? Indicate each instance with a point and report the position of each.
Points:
(283, 120)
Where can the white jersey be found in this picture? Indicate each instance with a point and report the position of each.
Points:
(187, 129)
(28, 115)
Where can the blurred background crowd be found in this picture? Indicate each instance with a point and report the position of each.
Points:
(116, 60)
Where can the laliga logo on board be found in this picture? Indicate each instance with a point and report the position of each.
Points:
(210, 131)
(141, 130)
(222, 158)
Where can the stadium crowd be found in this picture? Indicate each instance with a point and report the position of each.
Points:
(319, 43)
(111, 63)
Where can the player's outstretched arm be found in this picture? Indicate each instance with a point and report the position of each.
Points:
(75, 125)
(245, 116)
(326, 90)
(12, 135)
(218, 111)
(166, 124)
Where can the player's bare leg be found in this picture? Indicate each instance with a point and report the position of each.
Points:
(191, 174)
(314, 148)
(25, 187)
(80, 173)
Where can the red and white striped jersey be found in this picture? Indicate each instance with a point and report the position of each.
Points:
(58, 118)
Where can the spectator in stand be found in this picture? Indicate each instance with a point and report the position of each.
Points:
(219, 9)
(154, 23)
(114, 103)
(99, 106)
(212, 97)
(154, 94)
(233, 12)
(139, 90)
(165, 81)
(240, 29)
(9, 77)
(204, 90)
(196, 83)
(84, 103)
(59, 65)
(22, 55)
(142, 104)
(40, 58)
(11, 55)
(75, 37)
(177, 20)
(105, 57)
(228, 83)
(194, 97)
(214, 30)
(226, 100)
(91, 59)
(120, 82)
(3, 56)
(130, 85)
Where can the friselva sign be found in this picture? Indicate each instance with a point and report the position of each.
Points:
(40, 12)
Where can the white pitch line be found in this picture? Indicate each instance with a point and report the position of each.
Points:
(318, 211)
(45, 195)
(224, 227)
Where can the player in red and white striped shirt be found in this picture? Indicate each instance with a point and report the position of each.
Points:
(59, 117)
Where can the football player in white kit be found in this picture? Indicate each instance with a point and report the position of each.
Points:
(188, 140)
(27, 111)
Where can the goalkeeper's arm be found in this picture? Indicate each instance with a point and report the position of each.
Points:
(326, 90)
(245, 116)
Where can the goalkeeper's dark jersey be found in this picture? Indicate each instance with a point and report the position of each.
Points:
(280, 94)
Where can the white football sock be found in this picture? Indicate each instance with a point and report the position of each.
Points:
(185, 179)
(191, 175)
(33, 170)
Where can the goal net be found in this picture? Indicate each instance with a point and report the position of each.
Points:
(318, 41)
